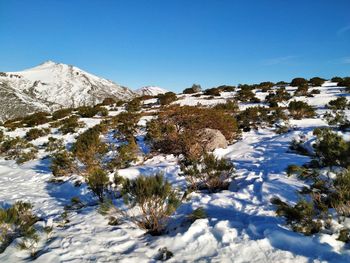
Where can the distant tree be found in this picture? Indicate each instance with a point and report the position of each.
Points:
(316, 81)
(194, 89)
(300, 109)
(337, 79)
(167, 98)
(296, 82)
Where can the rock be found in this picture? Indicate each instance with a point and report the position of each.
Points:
(211, 139)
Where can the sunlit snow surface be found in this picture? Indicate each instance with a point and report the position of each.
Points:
(241, 224)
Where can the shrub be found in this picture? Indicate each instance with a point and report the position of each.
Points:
(133, 105)
(337, 79)
(98, 181)
(296, 82)
(198, 213)
(15, 221)
(60, 114)
(18, 149)
(176, 129)
(344, 83)
(35, 133)
(300, 109)
(331, 149)
(340, 197)
(62, 164)
(265, 86)
(126, 123)
(108, 101)
(316, 81)
(245, 94)
(213, 92)
(89, 112)
(70, 125)
(338, 119)
(2, 136)
(155, 198)
(302, 217)
(209, 173)
(54, 145)
(88, 147)
(36, 119)
(279, 95)
(194, 89)
(127, 154)
(302, 90)
(167, 98)
(230, 106)
(340, 103)
(227, 88)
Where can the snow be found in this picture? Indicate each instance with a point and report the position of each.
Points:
(150, 91)
(241, 224)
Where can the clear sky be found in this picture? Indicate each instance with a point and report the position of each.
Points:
(173, 44)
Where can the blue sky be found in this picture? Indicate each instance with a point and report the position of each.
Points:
(173, 44)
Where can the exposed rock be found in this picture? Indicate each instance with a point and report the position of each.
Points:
(209, 140)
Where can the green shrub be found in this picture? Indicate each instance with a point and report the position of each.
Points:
(338, 119)
(108, 101)
(302, 90)
(345, 83)
(302, 217)
(279, 95)
(194, 89)
(62, 164)
(340, 103)
(98, 181)
(127, 153)
(15, 221)
(35, 133)
(18, 149)
(227, 88)
(213, 92)
(198, 213)
(2, 136)
(70, 125)
(209, 173)
(155, 198)
(89, 112)
(296, 82)
(316, 81)
(330, 148)
(134, 105)
(245, 94)
(300, 109)
(337, 79)
(88, 147)
(230, 106)
(54, 145)
(265, 86)
(167, 98)
(60, 114)
(126, 123)
(176, 128)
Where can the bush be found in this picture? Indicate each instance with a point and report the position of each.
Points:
(62, 164)
(331, 149)
(54, 145)
(126, 123)
(338, 119)
(155, 198)
(127, 154)
(2, 136)
(302, 217)
(296, 82)
(36, 119)
(15, 221)
(300, 109)
(227, 88)
(89, 112)
(245, 94)
(209, 173)
(167, 98)
(98, 181)
(133, 105)
(230, 106)
(345, 83)
(302, 90)
(60, 114)
(198, 213)
(70, 125)
(18, 149)
(176, 129)
(88, 147)
(213, 92)
(316, 81)
(279, 95)
(265, 86)
(35, 133)
(340, 103)
(337, 79)
(108, 101)
(194, 89)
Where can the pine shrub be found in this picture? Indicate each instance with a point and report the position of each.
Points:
(300, 109)
(62, 164)
(98, 181)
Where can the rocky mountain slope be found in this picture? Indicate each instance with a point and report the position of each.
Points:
(151, 91)
(53, 85)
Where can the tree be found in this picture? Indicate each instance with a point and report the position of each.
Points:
(194, 89)
(316, 81)
(98, 181)
(296, 82)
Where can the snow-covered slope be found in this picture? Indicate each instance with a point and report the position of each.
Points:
(53, 85)
(150, 91)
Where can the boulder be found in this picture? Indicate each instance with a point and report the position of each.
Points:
(211, 139)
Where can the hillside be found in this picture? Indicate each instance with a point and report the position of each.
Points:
(240, 214)
(150, 91)
(52, 86)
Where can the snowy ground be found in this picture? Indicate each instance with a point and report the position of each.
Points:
(241, 224)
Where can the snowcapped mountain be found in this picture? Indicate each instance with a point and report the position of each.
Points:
(150, 91)
(53, 85)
